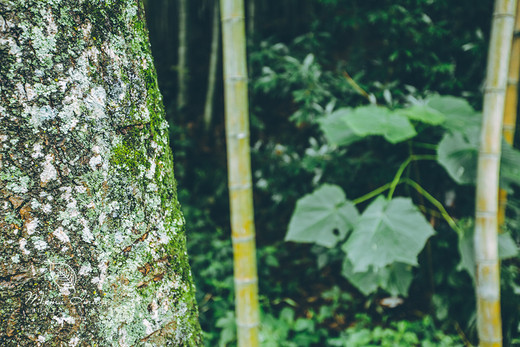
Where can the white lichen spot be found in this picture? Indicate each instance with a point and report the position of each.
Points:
(23, 242)
(35, 204)
(40, 245)
(118, 237)
(152, 187)
(95, 161)
(61, 235)
(49, 171)
(149, 327)
(95, 102)
(41, 114)
(31, 226)
(74, 341)
(41, 338)
(151, 170)
(47, 208)
(64, 319)
(29, 91)
(81, 189)
(102, 217)
(87, 235)
(15, 259)
(85, 270)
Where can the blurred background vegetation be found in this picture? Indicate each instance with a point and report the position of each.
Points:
(303, 57)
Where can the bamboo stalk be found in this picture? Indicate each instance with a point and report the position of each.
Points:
(212, 73)
(489, 322)
(239, 171)
(182, 89)
(511, 105)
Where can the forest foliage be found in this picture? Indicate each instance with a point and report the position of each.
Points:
(365, 123)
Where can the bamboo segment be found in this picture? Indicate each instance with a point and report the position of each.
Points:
(511, 105)
(239, 171)
(486, 221)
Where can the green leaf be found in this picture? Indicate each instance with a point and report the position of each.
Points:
(336, 129)
(424, 114)
(509, 166)
(323, 217)
(460, 116)
(387, 232)
(458, 154)
(375, 120)
(395, 278)
(507, 248)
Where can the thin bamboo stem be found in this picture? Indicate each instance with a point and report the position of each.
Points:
(239, 171)
(511, 106)
(182, 91)
(212, 73)
(489, 322)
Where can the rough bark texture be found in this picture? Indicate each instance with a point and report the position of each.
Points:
(92, 239)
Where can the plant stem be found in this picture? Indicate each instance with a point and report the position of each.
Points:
(371, 194)
(403, 166)
(435, 203)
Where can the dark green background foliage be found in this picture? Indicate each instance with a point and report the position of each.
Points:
(314, 132)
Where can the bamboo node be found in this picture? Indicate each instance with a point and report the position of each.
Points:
(487, 213)
(235, 18)
(498, 15)
(242, 239)
(239, 136)
(240, 186)
(239, 281)
(512, 81)
(494, 90)
(236, 78)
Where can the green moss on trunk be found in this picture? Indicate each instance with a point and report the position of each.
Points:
(92, 238)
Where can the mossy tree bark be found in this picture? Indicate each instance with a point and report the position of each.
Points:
(92, 239)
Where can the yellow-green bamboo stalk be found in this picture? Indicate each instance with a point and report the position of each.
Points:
(486, 225)
(239, 171)
(511, 104)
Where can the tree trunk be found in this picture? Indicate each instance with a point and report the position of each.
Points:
(239, 172)
(92, 238)
(182, 89)
(212, 73)
(486, 216)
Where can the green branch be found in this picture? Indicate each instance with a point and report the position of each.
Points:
(435, 203)
(403, 166)
(370, 195)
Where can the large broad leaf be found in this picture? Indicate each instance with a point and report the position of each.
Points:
(336, 129)
(458, 154)
(375, 120)
(507, 248)
(387, 232)
(424, 114)
(323, 217)
(460, 116)
(509, 166)
(395, 278)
